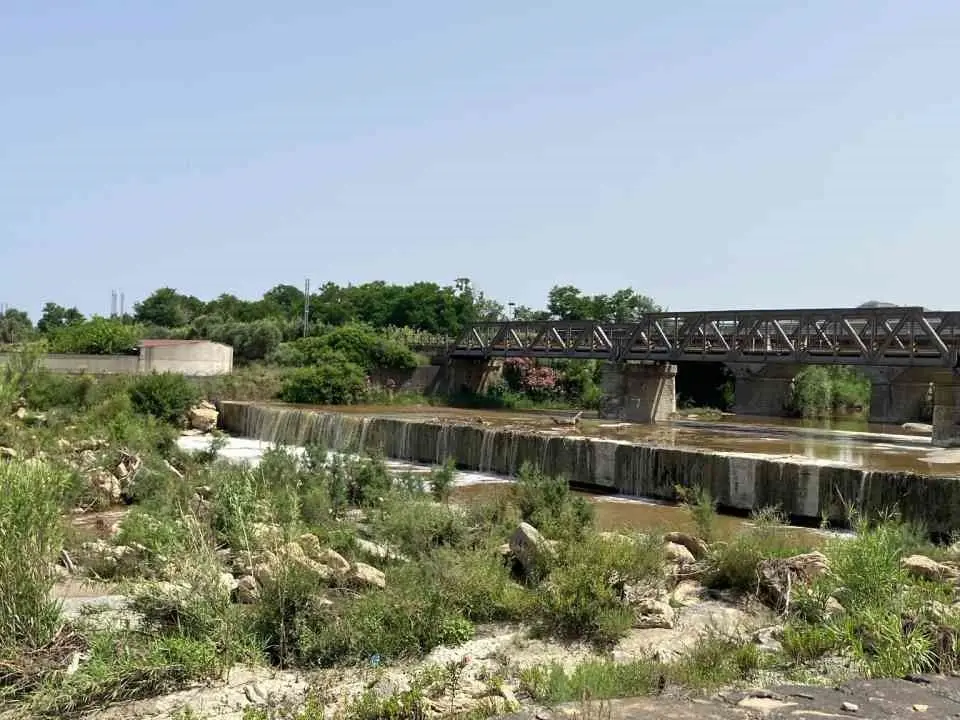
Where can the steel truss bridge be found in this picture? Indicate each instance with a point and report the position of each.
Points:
(895, 336)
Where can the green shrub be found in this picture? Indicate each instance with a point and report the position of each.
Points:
(30, 537)
(97, 336)
(336, 381)
(165, 396)
(46, 390)
(548, 504)
(583, 597)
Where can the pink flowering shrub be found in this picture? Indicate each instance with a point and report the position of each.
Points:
(526, 376)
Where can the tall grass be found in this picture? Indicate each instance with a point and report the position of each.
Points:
(30, 538)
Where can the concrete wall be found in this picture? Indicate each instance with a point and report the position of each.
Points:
(190, 359)
(196, 359)
(422, 379)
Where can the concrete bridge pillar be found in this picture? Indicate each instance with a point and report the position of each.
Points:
(899, 395)
(762, 388)
(472, 375)
(638, 391)
(946, 412)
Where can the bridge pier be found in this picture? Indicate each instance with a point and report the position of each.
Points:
(641, 392)
(762, 388)
(946, 412)
(899, 395)
(472, 375)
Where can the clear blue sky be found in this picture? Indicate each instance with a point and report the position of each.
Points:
(710, 154)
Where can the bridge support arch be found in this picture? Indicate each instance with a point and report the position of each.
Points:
(900, 395)
(946, 412)
(471, 375)
(762, 388)
(638, 391)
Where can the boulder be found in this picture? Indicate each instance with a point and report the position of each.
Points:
(697, 547)
(265, 535)
(335, 561)
(779, 575)
(8, 453)
(227, 583)
(367, 575)
(293, 555)
(652, 613)
(310, 545)
(375, 550)
(106, 486)
(678, 554)
(529, 547)
(248, 590)
(203, 417)
(924, 568)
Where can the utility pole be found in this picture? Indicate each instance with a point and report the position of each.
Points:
(306, 306)
(121, 304)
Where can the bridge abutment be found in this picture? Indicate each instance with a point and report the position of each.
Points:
(638, 391)
(899, 395)
(472, 375)
(946, 412)
(762, 388)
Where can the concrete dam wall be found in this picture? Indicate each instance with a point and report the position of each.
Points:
(738, 481)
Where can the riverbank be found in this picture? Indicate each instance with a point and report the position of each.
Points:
(809, 490)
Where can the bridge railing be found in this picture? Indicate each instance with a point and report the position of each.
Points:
(881, 336)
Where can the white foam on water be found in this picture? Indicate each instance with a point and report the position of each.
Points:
(250, 452)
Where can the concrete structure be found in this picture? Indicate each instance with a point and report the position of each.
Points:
(638, 392)
(469, 375)
(899, 395)
(904, 350)
(189, 357)
(762, 389)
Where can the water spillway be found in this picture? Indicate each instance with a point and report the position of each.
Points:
(808, 489)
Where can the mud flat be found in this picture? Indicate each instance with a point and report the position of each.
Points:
(809, 489)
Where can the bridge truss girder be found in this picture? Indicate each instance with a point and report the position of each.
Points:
(898, 336)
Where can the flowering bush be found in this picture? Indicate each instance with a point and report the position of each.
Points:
(526, 376)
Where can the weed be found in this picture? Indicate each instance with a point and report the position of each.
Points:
(30, 537)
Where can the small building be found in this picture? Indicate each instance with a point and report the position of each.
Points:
(189, 357)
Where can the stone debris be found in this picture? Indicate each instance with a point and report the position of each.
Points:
(367, 575)
(528, 546)
(697, 547)
(778, 576)
(203, 417)
(678, 554)
(922, 567)
(653, 614)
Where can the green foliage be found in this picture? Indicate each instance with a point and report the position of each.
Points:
(548, 504)
(15, 327)
(823, 391)
(97, 336)
(56, 316)
(165, 396)
(46, 390)
(336, 381)
(583, 597)
(31, 495)
(359, 344)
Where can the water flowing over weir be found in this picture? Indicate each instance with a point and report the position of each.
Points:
(807, 490)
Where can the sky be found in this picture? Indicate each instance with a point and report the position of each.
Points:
(713, 155)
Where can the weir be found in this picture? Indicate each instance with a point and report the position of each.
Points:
(806, 491)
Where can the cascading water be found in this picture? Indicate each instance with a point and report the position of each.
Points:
(802, 488)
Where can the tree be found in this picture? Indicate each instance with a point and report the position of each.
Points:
(97, 336)
(56, 316)
(566, 302)
(167, 308)
(285, 300)
(15, 326)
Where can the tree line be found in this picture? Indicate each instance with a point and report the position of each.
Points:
(418, 313)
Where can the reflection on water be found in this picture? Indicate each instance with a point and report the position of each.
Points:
(882, 448)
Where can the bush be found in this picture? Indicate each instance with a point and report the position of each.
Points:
(97, 336)
(165, 396)
(583, 598)
(548, 504)
(336, 381)
(46, 390)
(30, 537)
(358, 343)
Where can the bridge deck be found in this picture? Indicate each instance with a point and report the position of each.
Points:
(899, 336)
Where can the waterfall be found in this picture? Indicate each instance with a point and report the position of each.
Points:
(801, 488)
(486, 449)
